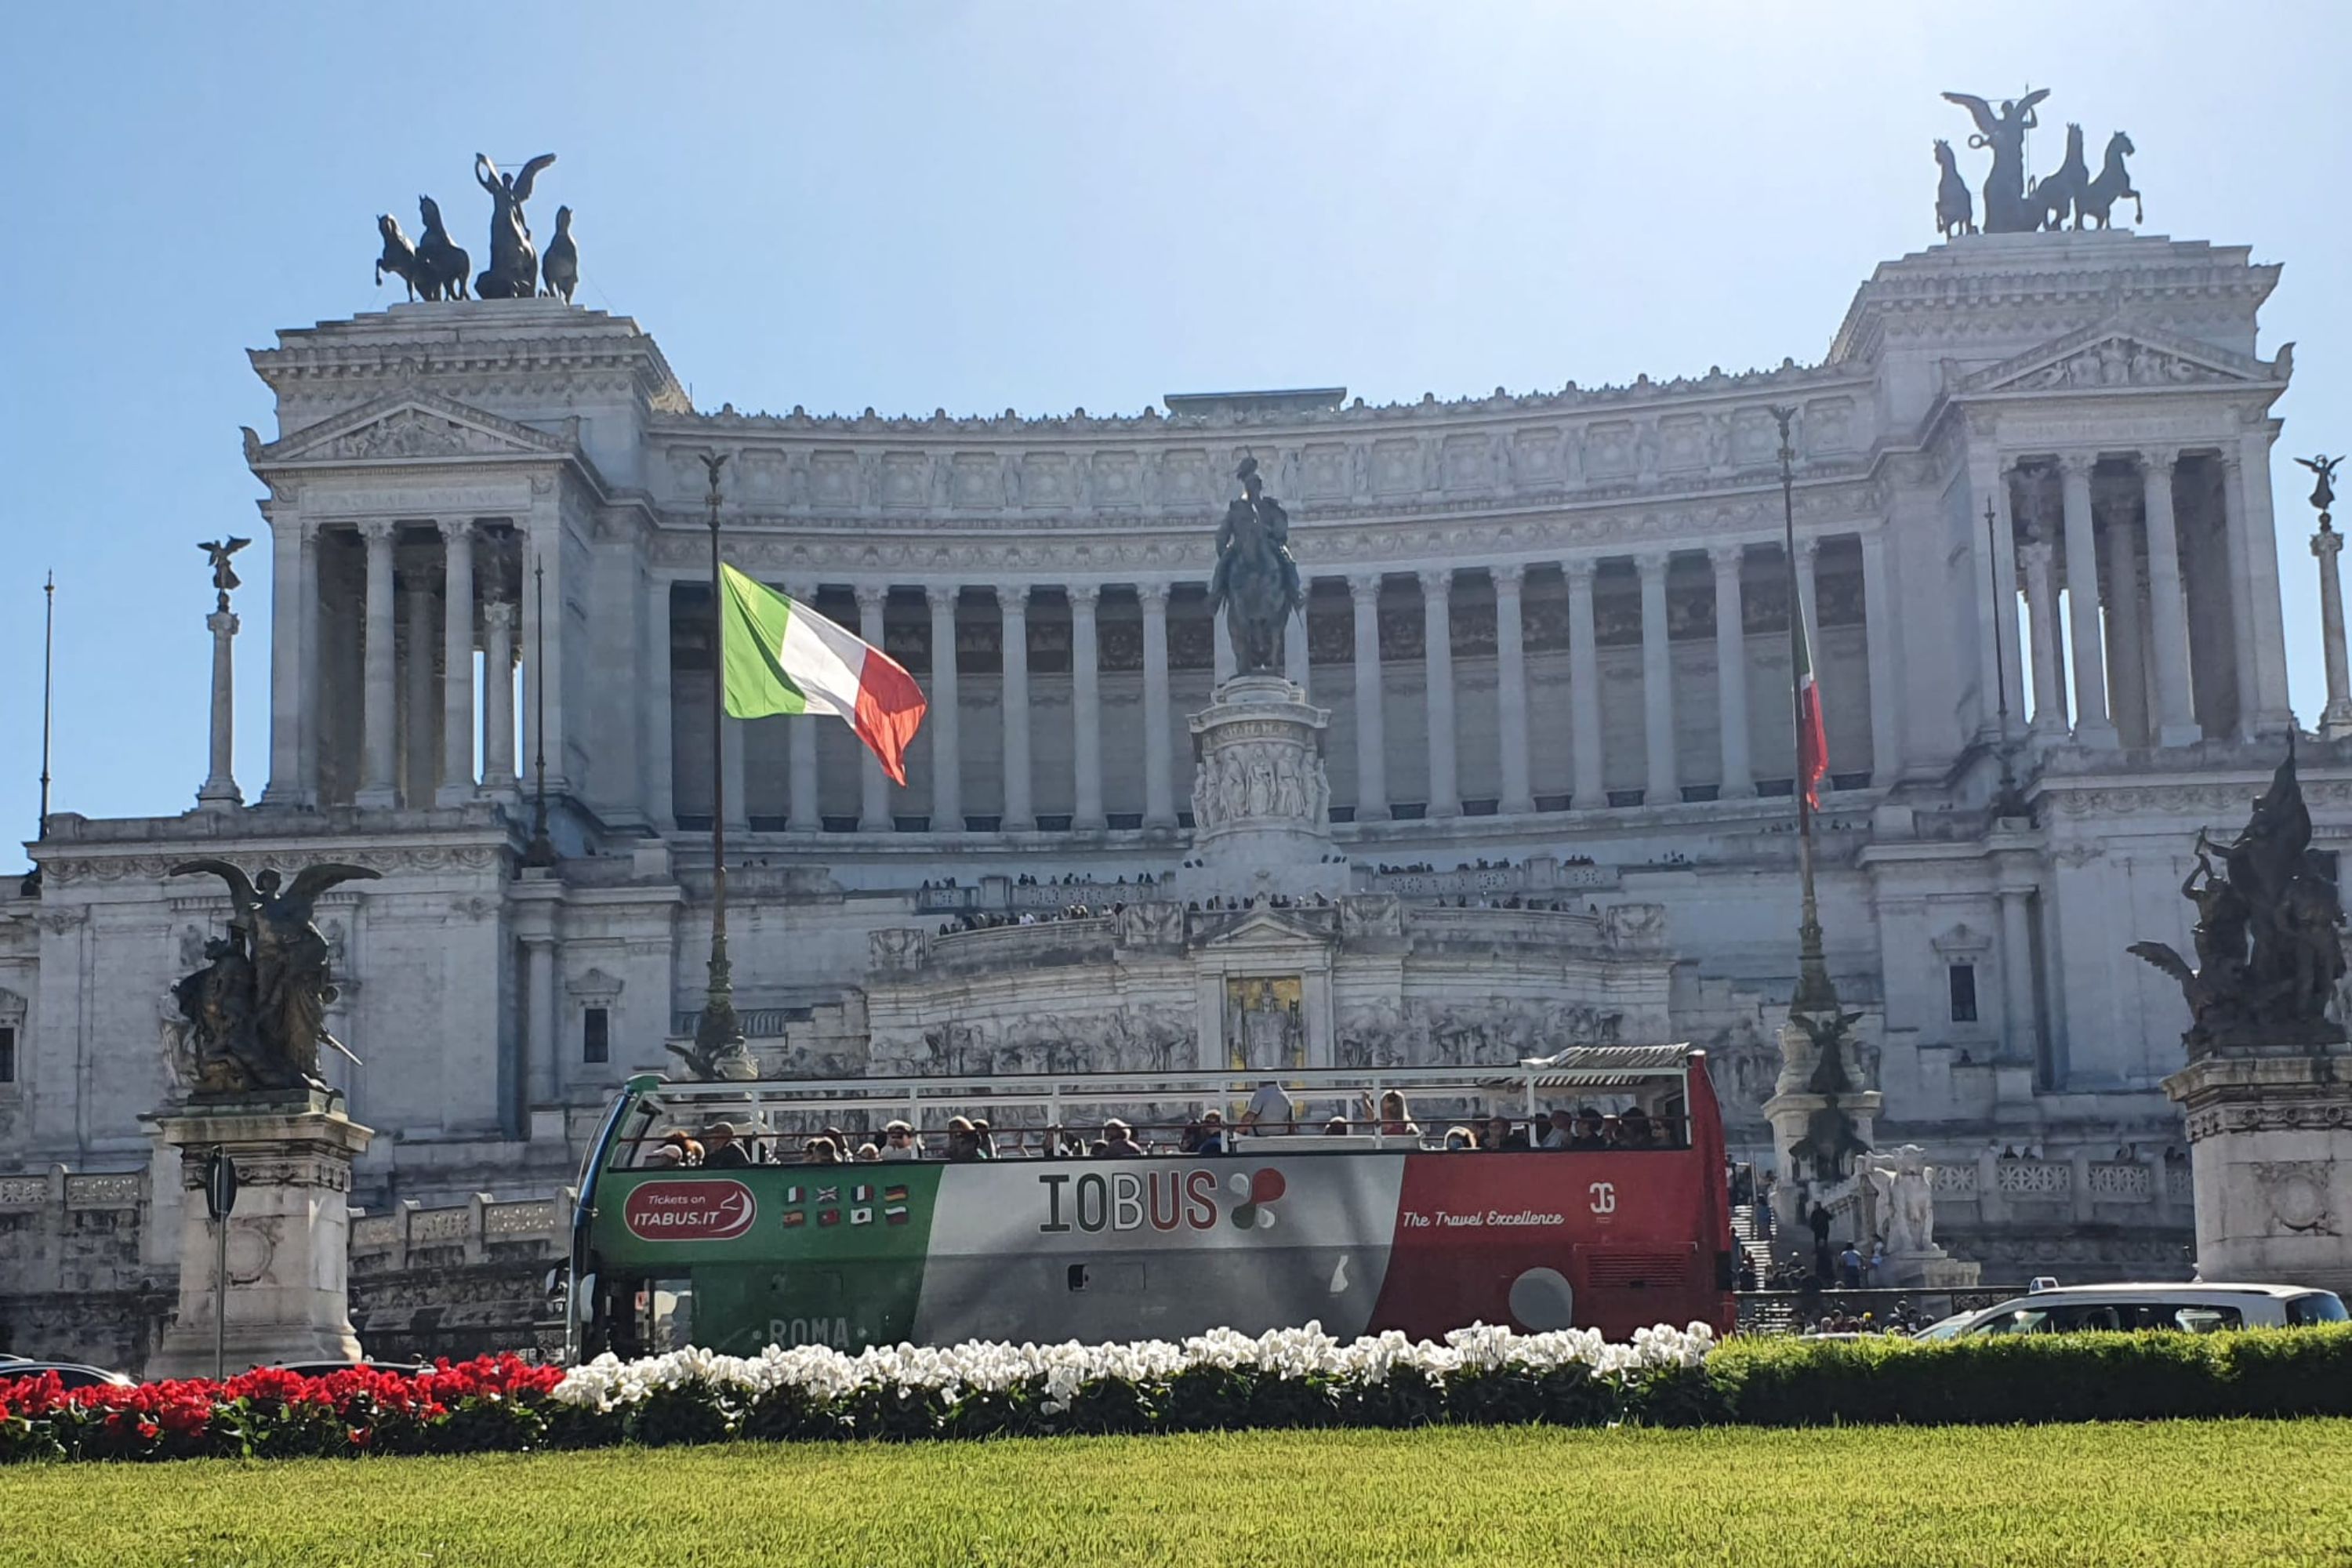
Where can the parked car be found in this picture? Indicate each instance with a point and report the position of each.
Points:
(2194, 1308)
(328, 1368)
(73, 1375)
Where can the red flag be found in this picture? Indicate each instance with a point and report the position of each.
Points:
(1812, 736)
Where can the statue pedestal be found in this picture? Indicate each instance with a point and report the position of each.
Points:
(1260, 803)
(1934, 1270)
(1792, 1110)
(289, 1235)
(2270, 1142)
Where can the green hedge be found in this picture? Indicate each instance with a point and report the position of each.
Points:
(2031, 1378)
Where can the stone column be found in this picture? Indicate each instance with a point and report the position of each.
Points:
(1013, 603)
(1731, 670)
(497, 698)
(312, 687)
(1295, 655)
(457, 666)
(1511, 690)
(1657, 683)
(1372, 733)
(2335, 719)
(659, 764)
(873, 784)
(2092, 726)
(947, 741)
(1159, 802)
(420, 713)
(1584, 689)
(2017, 974)
(539, 960)
(1086, 707)
(803, 810)
(1997, 654)
(220, 792)
(2127, 655)
(377, 787)
(1879, 639)
(2254, 533)
(2039, 557)
(2175, 702)
(1437, 674)
(292, 676)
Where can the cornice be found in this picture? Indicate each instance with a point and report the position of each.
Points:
(472, 342)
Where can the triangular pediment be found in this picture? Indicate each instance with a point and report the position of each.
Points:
(1266, 929)
(2110, 356)
(406, 425)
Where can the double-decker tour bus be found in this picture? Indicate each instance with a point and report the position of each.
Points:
(1360, 1209)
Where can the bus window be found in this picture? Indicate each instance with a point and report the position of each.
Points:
(2316, 1306)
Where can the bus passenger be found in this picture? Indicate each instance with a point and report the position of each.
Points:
(1461, 1140)
(1560, 1130)
(722, 1151)
(675, 1152)
(983, 1137)
(1634, 1130)
(1118, 1140)
(1336, 1128)
(1395, 1120)
(898, 1142)
(1591, 1129)
(1270, 1111)
(867, 1152)
(964, 1147)
(1502, 1135)
(820, 1150)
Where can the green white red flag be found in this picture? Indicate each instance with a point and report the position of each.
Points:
(783, 657)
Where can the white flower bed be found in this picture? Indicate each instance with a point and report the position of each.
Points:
(1049, 1378)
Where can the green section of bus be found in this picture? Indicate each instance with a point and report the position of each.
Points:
(742, 1308)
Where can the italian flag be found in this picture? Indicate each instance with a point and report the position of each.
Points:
(785, 657)
(1812, 736)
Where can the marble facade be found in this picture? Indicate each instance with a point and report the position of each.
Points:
(1547, 632)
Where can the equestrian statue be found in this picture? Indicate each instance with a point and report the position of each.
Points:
(1257, 582)
(2014, 205)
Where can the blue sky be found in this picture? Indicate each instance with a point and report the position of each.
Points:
(1037, 205)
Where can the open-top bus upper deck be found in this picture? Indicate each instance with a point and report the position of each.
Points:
(1372, 1226)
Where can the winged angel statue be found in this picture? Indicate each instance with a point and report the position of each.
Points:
(255, 1014)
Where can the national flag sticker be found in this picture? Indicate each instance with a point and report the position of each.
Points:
(828, 1218)
(861, 1193)
(861, 1217)
(795, 1217)
(795, 1195)
(895, 1214)
(828, 1195)
(895, 1193)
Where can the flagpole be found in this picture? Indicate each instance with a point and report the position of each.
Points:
(2007, 803)
(31, 885)
(1815, 992)
(718, 1049)
(539, 853)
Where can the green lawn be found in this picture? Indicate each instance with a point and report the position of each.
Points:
(2224, 1492)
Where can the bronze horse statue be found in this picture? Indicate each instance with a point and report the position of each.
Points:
(2112, 181)
(1955, 210)
(399, 256)
(2051, 201)
(1257, 583)
(442, 263)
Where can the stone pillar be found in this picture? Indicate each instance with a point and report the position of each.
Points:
(2042, 610)
(2335, 718)
(658, 766)
(2092, 726)
(1013, 603)
(538, 963)
(1584, 689)
(377, 787)
(1657, 683)
(1295, 653)
(2253, 534)
(946, 739)
(420, 712)
(289, 1296)
(873, 784)
(1731, 670)
(1159, 786)
(292, 676)
(1882, 645)
(457, 666)
(1437, 667)
(1511, 690)
(2176, 704)
(2127, 655)
(2269, 1145)
(1371, 733)
(497, 698)
(313, 686)
(1086, 709)
(2018, 1031)
(803, 813)
(220, 792)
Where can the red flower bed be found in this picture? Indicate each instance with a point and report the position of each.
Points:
(491, 1402)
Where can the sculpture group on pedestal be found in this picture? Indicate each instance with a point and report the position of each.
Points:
(255, 1015)
(435, 268)
(2269, 941)
(1256, 583)
(2016, 204)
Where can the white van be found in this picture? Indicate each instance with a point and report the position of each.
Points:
(2196, 1309)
